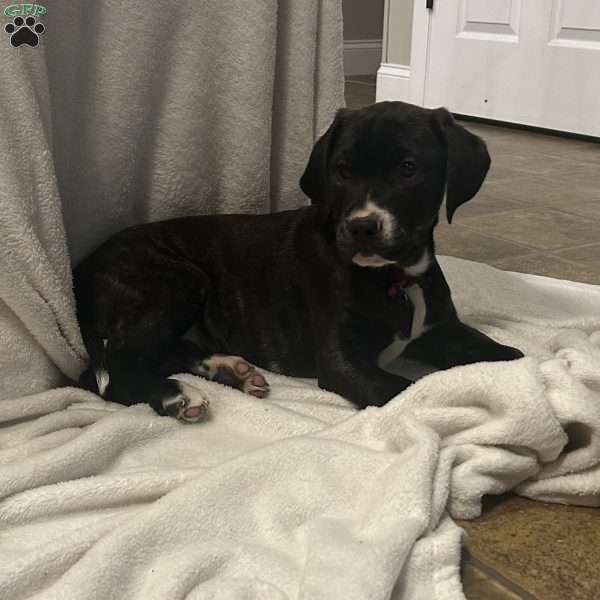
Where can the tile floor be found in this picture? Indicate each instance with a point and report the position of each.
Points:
(537, 212)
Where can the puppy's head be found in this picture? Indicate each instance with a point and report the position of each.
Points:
(379, 175)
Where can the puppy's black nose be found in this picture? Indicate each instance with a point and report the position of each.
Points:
(364, 228)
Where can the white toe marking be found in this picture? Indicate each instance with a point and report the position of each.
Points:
(179, 398)
(102, 380)
(185, 403)
(212, 365)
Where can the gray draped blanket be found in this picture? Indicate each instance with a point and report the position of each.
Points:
(136, 111)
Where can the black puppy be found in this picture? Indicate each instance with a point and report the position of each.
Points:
(334, 290)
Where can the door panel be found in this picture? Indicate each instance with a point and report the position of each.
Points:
(481, 11)
(486, 20)
(576, 23)
(535, 62)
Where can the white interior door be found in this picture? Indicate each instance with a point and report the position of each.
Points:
(535, 62)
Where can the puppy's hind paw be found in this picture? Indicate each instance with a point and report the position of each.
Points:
(185, 409)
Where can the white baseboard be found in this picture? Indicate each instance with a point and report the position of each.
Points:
(362, 57)
(393, 82)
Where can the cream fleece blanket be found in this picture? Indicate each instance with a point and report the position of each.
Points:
(299, 495)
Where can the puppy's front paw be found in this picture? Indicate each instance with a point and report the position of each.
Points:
(236, 372)
(256, 385)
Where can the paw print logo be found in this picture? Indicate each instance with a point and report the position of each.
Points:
(24, 31)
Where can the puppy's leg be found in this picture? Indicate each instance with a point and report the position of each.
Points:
(129, 375)
(130, 318)
(454, 344)
(349, 368)
(364, 385)
(133, 379)
(234, 371)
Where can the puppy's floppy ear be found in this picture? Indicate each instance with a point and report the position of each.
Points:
(468, 161)
(314, 179)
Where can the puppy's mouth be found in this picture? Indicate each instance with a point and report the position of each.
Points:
(380, 255)
(373, 251)
(415, 263)
(371, 260)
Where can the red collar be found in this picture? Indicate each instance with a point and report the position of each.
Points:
(399, 282)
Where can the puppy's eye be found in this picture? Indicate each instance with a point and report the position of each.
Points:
(408, 167)
(343, 170)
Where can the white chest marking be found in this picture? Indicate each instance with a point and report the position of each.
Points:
(415, 293)
(397, 347)
(420, 266)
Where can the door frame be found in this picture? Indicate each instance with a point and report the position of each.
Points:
(406, 83)
(419, 51)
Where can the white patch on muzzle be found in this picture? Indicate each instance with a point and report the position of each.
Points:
(388, 223)
(372, 209)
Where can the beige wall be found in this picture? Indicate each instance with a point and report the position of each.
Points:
(398, 31)
(363, 19)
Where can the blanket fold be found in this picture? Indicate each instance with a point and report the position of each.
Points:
(300, 495)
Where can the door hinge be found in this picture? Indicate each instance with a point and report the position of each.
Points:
(429, 4)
